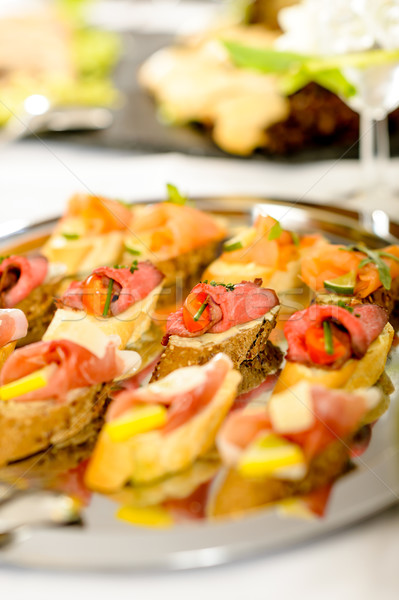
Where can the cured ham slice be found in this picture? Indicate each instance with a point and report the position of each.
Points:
(229, 306)
(336, 415)
(184, 392)
(19, 276)
(76, 367)
(13, 325)
(357, 329)
(131, 286)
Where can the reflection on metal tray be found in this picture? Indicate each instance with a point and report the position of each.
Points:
(107, 544)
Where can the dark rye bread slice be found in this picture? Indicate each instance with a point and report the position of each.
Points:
(245, 345)
(234, 494)
(255, 371)
(39, 308)
(30, 427)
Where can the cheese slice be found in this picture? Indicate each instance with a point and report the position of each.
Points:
(292, 411)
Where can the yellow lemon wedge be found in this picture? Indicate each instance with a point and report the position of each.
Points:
(30, 383)
(138, 420)
(295, 508)
(272, 455)
(153, 516)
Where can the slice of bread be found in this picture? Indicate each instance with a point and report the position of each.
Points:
(30, 427)
(354, 374)
(233, 494)
(39, 309)
(150, 456)
(241, 343)
(130, 325)
(5, 352)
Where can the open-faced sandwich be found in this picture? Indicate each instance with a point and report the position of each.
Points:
(298, 443)
(234, 319)
(51, 392)
(163, 428)
(353, 272)
(337, 346)
(268, 252)
(118, 300)
(179, 239)
(30, 283)
(89, 234)
(13, 327)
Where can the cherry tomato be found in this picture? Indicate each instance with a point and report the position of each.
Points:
(315, 343)
(95, 293)
(194, 318)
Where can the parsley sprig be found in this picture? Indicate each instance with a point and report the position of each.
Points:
(375, 257)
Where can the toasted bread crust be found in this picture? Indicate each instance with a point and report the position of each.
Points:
(30, 427)
(245, 345)
(255, 371)
(355, 374)
(5, 352)
(236, 494)
(39, 309)
(150, 456)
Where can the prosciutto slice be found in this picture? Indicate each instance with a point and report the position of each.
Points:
(245, 302)
(19, 276)
(337, 413)
(13, 325)
(133, 286)
(364, 324)
(76, 366)
(184, 392)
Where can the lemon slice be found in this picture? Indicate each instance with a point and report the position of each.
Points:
(153, 516)
(137, 420)
(342, 285)
(272, 455)
(242, 240)
(30, 383)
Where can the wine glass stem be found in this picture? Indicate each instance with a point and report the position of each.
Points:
(374, 158)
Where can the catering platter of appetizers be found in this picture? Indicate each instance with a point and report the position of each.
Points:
(207, 379)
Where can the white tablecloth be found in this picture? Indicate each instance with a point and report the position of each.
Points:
(361, 562)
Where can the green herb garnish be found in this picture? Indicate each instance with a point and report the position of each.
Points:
(108, 298)
(175, 196)
(132, 251)
(201, 309)
(71, 236)
(295, 238)
(342, 304)
(231, 247)
(229, 286)
(120, 267)
(275, 232)
(328, 339)
(134, 266)
(374, 257)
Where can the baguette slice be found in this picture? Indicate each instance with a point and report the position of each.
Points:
(234, 494)
(150, 456)
(30, 427)
(130, 325)
(240, 343)
(5, 352)
(355, 374)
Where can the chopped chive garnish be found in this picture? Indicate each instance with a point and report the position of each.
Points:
(342, 304)
(328, 340)
(201, 309)
(229, 286)
(70, 236)
(295, 238)
(132, 251)
(275, 231)
(231, 247)
(174, 195)
(108, 299)
(134, 266)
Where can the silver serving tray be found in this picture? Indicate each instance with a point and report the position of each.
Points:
(104, 543)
